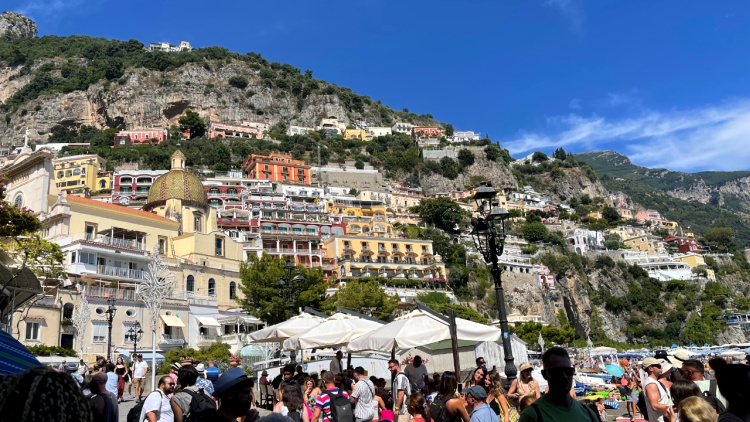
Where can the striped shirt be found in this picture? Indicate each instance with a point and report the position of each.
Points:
(323, 402)
(364, 392)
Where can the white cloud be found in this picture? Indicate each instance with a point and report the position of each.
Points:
(707, 138)
(575, 103)
(572, 13)
(47, 7)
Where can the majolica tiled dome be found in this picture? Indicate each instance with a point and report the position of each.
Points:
(177, 183)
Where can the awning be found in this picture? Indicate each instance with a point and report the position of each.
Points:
(207, 321)
(172, 321)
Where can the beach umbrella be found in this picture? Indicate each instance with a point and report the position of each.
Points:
(603, 351)
(674, 345)
(336, 330)
(277, 333)
(614, 370)
(419, 328)
(14, 356)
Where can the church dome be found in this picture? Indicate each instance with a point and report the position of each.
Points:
(177, 184)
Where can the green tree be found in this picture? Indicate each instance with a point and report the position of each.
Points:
(612, 242)
(217, 352)
(433, 299)
(239, 82)
(586, 199)
(448, 130)
(557, 173)
(363, 296)
(465, 157)
(492, 152)
(559, 154)
(359, 164)
(265, 300)
(442, 213)
(611, 214)
(192, 122)
(534, 232)
(539, 157)
(720, 235)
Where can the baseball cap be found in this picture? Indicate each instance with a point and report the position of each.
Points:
(477, 392)
(231, 378)
(651, 361)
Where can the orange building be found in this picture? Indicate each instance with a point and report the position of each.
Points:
(277, 167)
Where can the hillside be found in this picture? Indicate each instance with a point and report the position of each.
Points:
(79, 80)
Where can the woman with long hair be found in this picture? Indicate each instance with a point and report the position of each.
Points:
(497, 400)
(477, 378)
(524, 385)
(416, 404)
(291, 400)
(695, 409)
(309, 393)
(455, 405)
(120, 371)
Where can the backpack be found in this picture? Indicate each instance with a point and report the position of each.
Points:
(202, 407)
(134, 414)
(294, 415)
(641, 404)
(710, 397)
(341, 408)
(439, 409)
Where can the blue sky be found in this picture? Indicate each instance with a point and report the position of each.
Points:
(665, 82)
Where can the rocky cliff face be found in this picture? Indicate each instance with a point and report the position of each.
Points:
(16, 25)
(737, 190)
(482, 169)
(145, 99)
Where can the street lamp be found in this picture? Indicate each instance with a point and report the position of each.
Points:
(135, 333)
(111, 310)
(292, 283)
(488, 233)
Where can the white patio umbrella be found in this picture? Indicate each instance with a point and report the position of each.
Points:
(418, 328)
(602, 351)
(732, 353)
(283, 330)
(336, 330)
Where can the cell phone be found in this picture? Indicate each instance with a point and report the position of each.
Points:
(460, 388)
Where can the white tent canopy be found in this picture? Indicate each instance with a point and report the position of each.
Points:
(279, 332)
(602, 351)
(336, 330)
(418, 328)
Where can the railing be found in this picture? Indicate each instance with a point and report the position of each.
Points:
(289, 233)
(172, 339)
(119, 272)
(117, 242)
(387, 261)
(291, 250)
(108, 292)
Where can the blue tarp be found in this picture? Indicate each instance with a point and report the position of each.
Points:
(14, 356)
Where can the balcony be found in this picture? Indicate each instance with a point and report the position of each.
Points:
(119, 272)
(143, 182)
(172, 340)
(108, 292)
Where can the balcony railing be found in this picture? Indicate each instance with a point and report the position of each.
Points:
(108, 292)
(119, 272)
(117, 242)
(172, 339)
(388, 261)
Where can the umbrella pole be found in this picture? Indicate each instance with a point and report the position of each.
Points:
(454, 343)
(393, 351)
(348, 360)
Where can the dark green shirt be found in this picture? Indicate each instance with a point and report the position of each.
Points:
(551, 413)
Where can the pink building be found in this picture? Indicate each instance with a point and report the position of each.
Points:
(649, 215)
(545, 280)
(426, 132)
(138, 137)
(222, 130)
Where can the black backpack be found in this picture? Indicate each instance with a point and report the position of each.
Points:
(710, 397)
(341, 407)
(439, 409)
(202, 407)
(641, 404)
(295, 415)
(134, 414)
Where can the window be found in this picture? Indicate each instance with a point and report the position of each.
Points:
(90, 231)
(122, 142)
(213, 191)
(68, 173)
(219, 242)
(190, 284)
(77, 172)
(32, 330)
(197, 222)
(83, 170)
(18, 200)
(60, 174)
(102, 184)
(211, 287)
(126, 326)
(233, 290)
(87, 258)
(162, 245)
(100, 332)
(68, 311)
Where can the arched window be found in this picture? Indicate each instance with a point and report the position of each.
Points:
(68, 311)
(211, 287)
(190, 283)
(60, 174)
(76, 172)
(232, 290)
(68, 173)
(18, 201)
(102, 184)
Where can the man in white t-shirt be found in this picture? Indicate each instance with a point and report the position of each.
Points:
(657, 396)
(157, 408)
(417, 373)
(140, 368)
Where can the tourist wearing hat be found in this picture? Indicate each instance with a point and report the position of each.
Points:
(657, 394)
(476, 399)
(202, 382)
(264, 378)
(678, 358)
(235, 393)
(524, 385)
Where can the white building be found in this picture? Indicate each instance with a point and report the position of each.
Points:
(582, 240)
(465, 136)
(299, 130)
(403, 127)
(378, 131)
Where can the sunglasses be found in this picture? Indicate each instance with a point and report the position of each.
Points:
(658, 365)
(556, 372)
(687, 372)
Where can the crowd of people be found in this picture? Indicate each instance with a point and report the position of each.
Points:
(660, 388)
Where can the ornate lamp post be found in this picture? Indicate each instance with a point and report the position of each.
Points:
(488, 233)
(111, 310)
(291, 283)
(135, 333)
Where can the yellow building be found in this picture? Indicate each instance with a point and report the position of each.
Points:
(397, 258)
(360, 216)
(81, 172)
(108, 249)
(355, 134)
(671, 226)
(396, 203)
(692, 259)
(645, 243)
